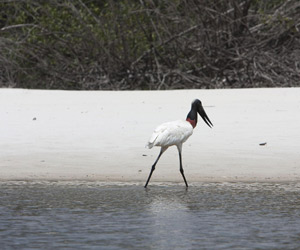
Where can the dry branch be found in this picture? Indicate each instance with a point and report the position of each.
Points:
(149, 44)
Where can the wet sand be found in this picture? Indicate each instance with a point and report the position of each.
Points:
(101, 135)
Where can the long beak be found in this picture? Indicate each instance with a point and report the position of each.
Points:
(204, 116)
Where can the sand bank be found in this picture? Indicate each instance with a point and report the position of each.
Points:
(101, 135)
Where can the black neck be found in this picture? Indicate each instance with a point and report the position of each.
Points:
(192, 117)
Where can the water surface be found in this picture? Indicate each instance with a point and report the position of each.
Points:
(95, 215)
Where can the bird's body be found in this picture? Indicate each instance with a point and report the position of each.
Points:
(170, 133)
(176, 133)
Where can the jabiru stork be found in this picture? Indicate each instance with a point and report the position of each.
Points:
(176, 133)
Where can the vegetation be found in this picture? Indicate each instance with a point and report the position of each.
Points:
(149, 44)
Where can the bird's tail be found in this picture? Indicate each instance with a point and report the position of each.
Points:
(152, 140)
(149, 145)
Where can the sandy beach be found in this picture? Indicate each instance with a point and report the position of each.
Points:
(101, 135)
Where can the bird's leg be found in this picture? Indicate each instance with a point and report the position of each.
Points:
(179, 147)
(163, 149)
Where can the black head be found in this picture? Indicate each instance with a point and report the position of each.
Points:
(198, 106)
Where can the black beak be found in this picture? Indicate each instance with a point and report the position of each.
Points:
(204, 116)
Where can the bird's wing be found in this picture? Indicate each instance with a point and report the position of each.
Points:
(170, 133)
(179, 132)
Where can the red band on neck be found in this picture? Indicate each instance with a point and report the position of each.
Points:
(192, 122)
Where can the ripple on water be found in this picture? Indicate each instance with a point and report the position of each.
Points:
(164, 216)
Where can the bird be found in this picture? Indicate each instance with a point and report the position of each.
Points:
(175, 133)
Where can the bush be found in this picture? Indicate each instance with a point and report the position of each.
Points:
(86, 44)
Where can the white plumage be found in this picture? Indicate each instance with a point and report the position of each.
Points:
(170, 133)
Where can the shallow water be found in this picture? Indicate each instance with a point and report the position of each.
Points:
(93, 215)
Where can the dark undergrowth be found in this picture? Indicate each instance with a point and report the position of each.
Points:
(126, 45)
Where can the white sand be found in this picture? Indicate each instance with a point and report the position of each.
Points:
(97, 135)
